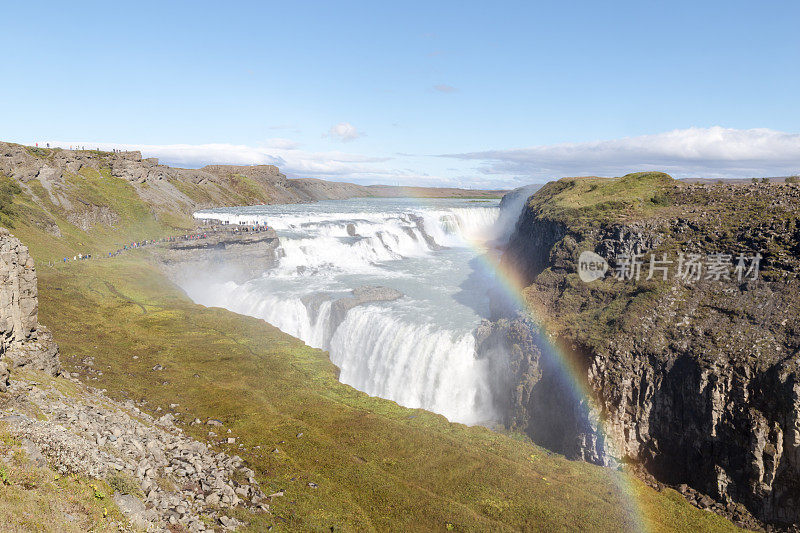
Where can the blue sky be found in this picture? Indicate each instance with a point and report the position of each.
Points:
(439, 93)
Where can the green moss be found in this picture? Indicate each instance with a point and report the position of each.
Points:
(39, 152)
(8, 190)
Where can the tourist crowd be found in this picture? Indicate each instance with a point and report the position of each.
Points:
(255, 228)
(147, 242)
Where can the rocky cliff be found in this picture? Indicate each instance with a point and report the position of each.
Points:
(25, 342)
(694, 381)
(238, 255)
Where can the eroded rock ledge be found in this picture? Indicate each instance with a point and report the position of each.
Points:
(236, 255)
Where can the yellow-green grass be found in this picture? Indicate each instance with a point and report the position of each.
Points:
(34, 212)
(36, 498)
(379, 466)
(573, 200)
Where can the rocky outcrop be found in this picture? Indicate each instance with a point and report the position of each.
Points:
(24, 341)
(697, 383)
(236, 255)
(163, 479)
(340, 305)
(360, 296)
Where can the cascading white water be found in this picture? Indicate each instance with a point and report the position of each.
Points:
(416, 366)
(418, 350)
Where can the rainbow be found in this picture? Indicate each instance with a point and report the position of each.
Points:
(513, 287)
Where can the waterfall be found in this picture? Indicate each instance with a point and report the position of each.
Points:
(412, 364)
(418, 351)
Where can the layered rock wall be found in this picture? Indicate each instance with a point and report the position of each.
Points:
(25, 342)
(697, 383)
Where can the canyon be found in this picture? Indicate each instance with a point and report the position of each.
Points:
(357, 278)
(672, 377)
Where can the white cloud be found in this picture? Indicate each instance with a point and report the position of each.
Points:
(344, 132)
(713, 152)
(444, 88)
(334, 165)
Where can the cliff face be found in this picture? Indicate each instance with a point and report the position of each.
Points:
(696, 382)
(25, 342)
(241, 256)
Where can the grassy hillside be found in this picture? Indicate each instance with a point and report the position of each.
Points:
(53, 231)
(378, 466)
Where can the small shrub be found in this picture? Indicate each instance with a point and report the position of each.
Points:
(662, 199)
(793, 179)
(124, 484)
(97, 493)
